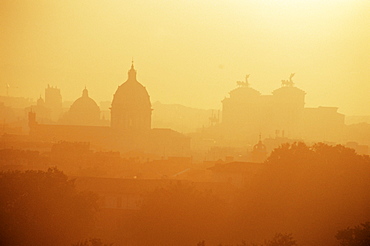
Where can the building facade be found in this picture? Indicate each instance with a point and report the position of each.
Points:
(246, 113)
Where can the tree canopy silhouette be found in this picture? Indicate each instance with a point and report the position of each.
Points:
(43, 208)
(356, 236)
(178, 215)
(281, 240)
(308, 190)
(92, 242)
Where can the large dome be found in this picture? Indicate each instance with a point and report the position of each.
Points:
(84, 111)
(131, 94)
(131, 107)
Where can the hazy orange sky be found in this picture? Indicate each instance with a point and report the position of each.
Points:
(188, 52)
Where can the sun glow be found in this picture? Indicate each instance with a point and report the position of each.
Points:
(201, 45)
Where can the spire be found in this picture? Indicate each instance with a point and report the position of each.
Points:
(259, 145)
(85, 92)
(132, 72)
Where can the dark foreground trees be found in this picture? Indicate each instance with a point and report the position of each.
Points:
(43, 208)
(311, 191)
(92, 242)
(357, 236)
(280, 239)
(178, 215)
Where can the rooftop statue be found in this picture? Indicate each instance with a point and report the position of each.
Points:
(242, 83)
(288, 83)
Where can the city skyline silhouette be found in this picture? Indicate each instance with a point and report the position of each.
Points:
(71, 46)
(185, 123)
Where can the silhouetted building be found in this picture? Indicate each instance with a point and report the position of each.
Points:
(130, 124)
(359, 133)
(53, 101)
(16, 102)
(7, 113)
(98, 136)
(288, 104)
(241, 112)
(239, 174)
(359, 148)
(259, 152)
(42, 112)
(83, 111)
(105, 111)
(181, 118)
(246, 112)
(131, 110)
(322, 123)
(12, 111)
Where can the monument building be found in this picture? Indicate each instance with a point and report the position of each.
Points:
(246, 113)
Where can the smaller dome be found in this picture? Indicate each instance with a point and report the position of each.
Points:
(259, 146)
(84, 111)
(40, 102)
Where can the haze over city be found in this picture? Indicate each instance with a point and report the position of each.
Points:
(178, 45)
(185, 123)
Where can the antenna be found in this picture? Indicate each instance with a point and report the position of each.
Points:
(8, 87)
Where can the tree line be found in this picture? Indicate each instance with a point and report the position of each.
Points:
(317, 194)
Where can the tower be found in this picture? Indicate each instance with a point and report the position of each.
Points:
(53, 101)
